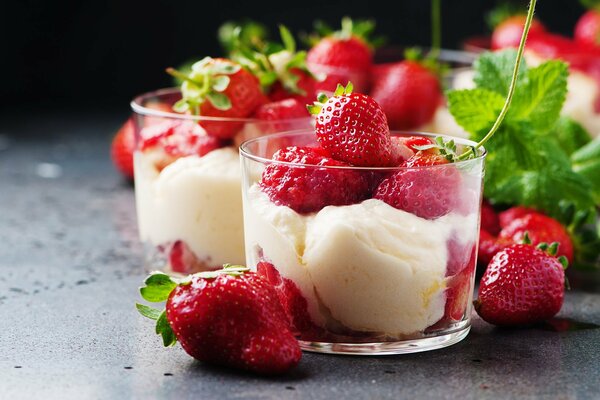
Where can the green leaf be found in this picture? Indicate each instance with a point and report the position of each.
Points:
(586, 162)
(268, 78)
(475, 110)
(181, 106)
(164, 329)
(287, 38)
(158, 287)
(148, 312)
(569, 134)
(493, 71)
(220, 83)
(540, 98)
(224, 68)
(219, 100)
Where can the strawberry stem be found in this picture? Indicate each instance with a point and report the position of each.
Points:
(436, 29)
(513, 83)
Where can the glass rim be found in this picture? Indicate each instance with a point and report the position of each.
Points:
(137, 105)
(246, 153)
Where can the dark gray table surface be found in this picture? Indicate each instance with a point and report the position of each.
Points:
(70, 266)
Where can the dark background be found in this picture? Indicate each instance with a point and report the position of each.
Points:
(98, 54)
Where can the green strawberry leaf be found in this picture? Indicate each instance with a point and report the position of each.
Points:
(289, 43)
(219, 100)
(540, 97)
(475, 109)
(493, 71)
(220, 83)
(148, 312)
(164, 329)
(158, 287)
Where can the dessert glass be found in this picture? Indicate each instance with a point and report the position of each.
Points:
(187, 184)
(366, 278)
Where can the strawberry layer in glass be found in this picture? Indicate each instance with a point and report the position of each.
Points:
(187, 183)
(358, 259)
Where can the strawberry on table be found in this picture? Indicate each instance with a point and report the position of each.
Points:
(218, 88)
(587, 28)
(231, 317)
(408, 92)
(308, 189)
(507, 216)
(353, 128)
(507, 33)
(522, 285)
(283, 109)
(122, 147)
(490, 220)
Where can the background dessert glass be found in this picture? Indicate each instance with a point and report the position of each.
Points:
(366, 278)
(187, 183)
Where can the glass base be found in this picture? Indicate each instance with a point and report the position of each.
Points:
(390, 348)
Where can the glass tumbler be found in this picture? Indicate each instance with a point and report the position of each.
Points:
(187, 183)
(365, 260)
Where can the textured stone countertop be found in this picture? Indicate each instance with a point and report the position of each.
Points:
(70, 266)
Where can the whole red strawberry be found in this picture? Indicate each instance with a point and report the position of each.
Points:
(522, 285)
(409, 94)
(343, 56)
(122, 147)
(219, 88)
(230, 317)
(489, 218)
(489, 245)
(509, 215)
(508, 32)
(540, 228)
(309, 188)
(587, 28)
(353, 128)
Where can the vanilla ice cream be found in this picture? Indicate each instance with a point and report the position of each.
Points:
(367, 267)
(194, 199)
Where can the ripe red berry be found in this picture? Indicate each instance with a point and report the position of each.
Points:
(230, 317)
(522, 285)
(489, 218)
(122, 147)
(587, 28)
(283, 109)
(408, 93)
(508, 33)
(353, 129)
(309, 188)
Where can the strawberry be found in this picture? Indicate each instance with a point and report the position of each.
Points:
(489, 245)
(343, 56)
(218, 88)
(183, 260)
(540, 228)
(507, 216)
(231, 317)
(122, 147)
(291, 299)
(587, 28)
(302, 87)
(353, 128)
(283, 109)
(508, 32)
(409, 93)
(489, 219)
(428, 192)
(458, 294)
(308, 189)
(177, 138)
(521, 285)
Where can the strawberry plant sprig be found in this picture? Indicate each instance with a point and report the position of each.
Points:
(513, 84)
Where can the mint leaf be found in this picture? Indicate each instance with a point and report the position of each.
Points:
(539, 98)
(148, 312)
(158, 287)
(475, 110)
(569, 135)
(493, 71)
(164, 329)
(586, 162)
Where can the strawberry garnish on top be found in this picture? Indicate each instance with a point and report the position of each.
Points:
(353, 128)
(231, 317)
(217, 87)
(522, 285)
(307, 188)
(343, 55)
